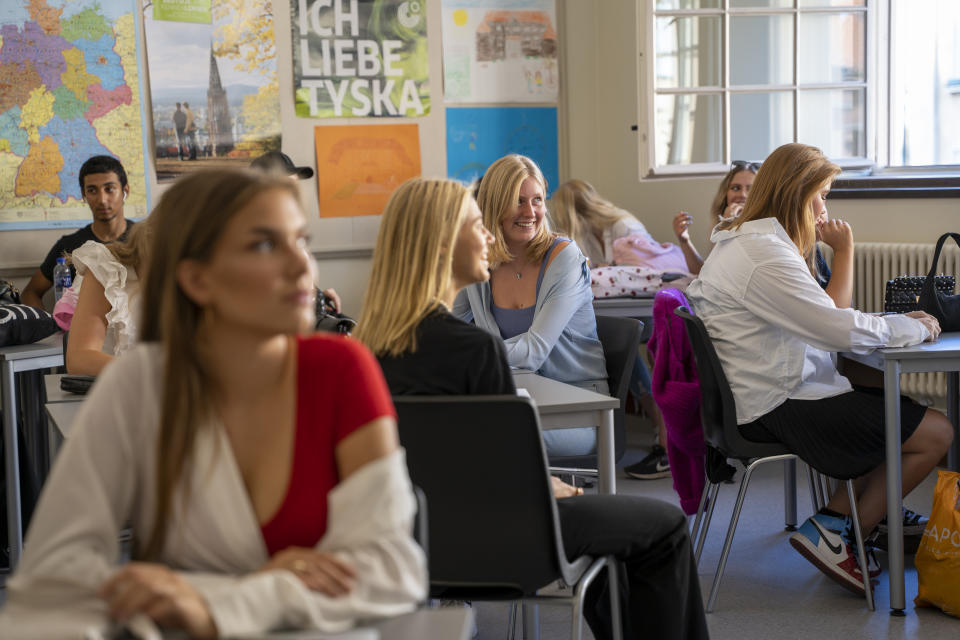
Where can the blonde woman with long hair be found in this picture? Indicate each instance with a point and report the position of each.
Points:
(259, 469)
(775, 330)
(538, 298)
(432, 243)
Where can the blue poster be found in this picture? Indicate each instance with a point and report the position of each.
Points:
(477, 136)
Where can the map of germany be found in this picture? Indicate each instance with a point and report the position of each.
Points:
(69, 89)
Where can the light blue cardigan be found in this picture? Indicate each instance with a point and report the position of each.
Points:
(562, 342)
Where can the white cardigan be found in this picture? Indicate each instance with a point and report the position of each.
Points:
(105, 477)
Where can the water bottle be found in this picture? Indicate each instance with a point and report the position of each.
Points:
(61, 277)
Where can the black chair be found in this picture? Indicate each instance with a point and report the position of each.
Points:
(493, 536)
(620, 338)
(719, 416)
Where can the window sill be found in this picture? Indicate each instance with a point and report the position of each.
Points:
(901, 186)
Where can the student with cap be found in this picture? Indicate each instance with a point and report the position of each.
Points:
(279, 162)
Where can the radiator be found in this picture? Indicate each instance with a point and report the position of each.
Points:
(874, 264)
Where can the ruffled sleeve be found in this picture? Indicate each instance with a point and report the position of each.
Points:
(119, 285)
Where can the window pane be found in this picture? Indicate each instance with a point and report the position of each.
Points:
(833, 120)
(688, 52)
(761, 50)
(925, 83)
(689, 129)
(831, 3)
(759, 123)
(670, 5)
(832, 47)
(738, 4)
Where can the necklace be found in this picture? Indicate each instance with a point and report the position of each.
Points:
(519, 275)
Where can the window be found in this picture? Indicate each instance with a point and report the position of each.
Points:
(874, 83)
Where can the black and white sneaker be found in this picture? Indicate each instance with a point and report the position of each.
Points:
(655, 465)
(913, 524)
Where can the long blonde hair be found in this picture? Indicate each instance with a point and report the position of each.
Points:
(719, 204)
(412, 262)
(498, 196)
(188, 223)
(578, 210)
(784, 189)
(134, 251)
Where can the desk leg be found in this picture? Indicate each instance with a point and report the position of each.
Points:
(953, 413)
(605, 453)
(531, 622)
(12, 461)
(891, 399)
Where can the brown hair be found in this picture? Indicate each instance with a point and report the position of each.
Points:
(577, 209)
(188, 223)
(719, 204)
(412, 262)
(499, 194)
(784, 189)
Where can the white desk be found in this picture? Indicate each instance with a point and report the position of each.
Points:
(564, 406)
(942, 355)
(435, 624)
(30, 357)
(637, 308)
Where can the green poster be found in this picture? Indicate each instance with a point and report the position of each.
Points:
(360, 58)
(182, 10)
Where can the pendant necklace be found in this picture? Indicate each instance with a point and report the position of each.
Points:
(519, 275)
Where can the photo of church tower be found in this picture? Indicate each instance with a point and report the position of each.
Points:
(219, 125)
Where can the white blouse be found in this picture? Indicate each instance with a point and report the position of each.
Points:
(601, 253)
(104, 478)
(121, 288)
(775, 329)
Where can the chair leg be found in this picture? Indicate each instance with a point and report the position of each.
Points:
(790, 494)
(861, 550)
(814, 491)
(512, 621)
(700, 509)
(706, 523)
(531, 622)
(729, 540)
(614, 586)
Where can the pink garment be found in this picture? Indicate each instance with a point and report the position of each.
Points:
(676, 390)
(640, 250)
(64, 308)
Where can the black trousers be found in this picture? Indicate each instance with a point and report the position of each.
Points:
(659, 588)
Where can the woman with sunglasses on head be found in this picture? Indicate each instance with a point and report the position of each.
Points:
(432, 243)
(729, 202)
(538, 298)
(776, 331)
(258, 469)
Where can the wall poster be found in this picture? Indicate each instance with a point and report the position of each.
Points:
(359, 58)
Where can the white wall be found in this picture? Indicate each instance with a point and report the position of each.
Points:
(600, 50)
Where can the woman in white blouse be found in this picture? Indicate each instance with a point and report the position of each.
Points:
(259, 470)
(776, 332)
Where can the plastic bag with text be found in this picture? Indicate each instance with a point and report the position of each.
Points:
(938, 558)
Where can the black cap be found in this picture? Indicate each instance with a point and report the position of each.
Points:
(279, 161)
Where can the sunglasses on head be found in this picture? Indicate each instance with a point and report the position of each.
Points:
(740, 165)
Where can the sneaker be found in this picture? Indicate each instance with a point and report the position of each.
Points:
(828, 551)
(655, 465)
(873, 565)
(913, 524)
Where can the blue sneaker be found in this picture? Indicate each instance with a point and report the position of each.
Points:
(818, 541)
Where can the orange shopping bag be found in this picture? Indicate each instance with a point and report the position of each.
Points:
(938, 558)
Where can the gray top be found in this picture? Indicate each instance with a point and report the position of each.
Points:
(562, 342)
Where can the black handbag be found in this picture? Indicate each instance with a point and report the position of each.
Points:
(944, 307)
(902, 294)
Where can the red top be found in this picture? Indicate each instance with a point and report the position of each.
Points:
(339, 388)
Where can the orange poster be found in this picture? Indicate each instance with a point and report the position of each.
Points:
(359, 166)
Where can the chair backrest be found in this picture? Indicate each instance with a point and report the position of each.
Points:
(718, 410)
(493, 526)
(620, 338)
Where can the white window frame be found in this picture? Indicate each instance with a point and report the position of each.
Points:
(877, 81)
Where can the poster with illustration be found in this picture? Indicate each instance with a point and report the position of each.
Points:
(360, 58)
(213, 83)
(360, 166)
(500, 51)
(476, 136)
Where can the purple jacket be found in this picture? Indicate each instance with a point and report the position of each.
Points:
(676, 390)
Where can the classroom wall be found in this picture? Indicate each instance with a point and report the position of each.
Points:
(600, 49)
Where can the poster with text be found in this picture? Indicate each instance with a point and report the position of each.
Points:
(500, 51)
(477, 136)
(359, 58)
(214, 90)
(69, 89)
(360, 166)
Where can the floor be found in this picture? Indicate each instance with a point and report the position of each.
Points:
(768, 589)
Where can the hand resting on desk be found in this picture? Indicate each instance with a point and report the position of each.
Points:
(928, 321)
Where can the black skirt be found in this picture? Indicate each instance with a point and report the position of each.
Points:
(842, 436)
